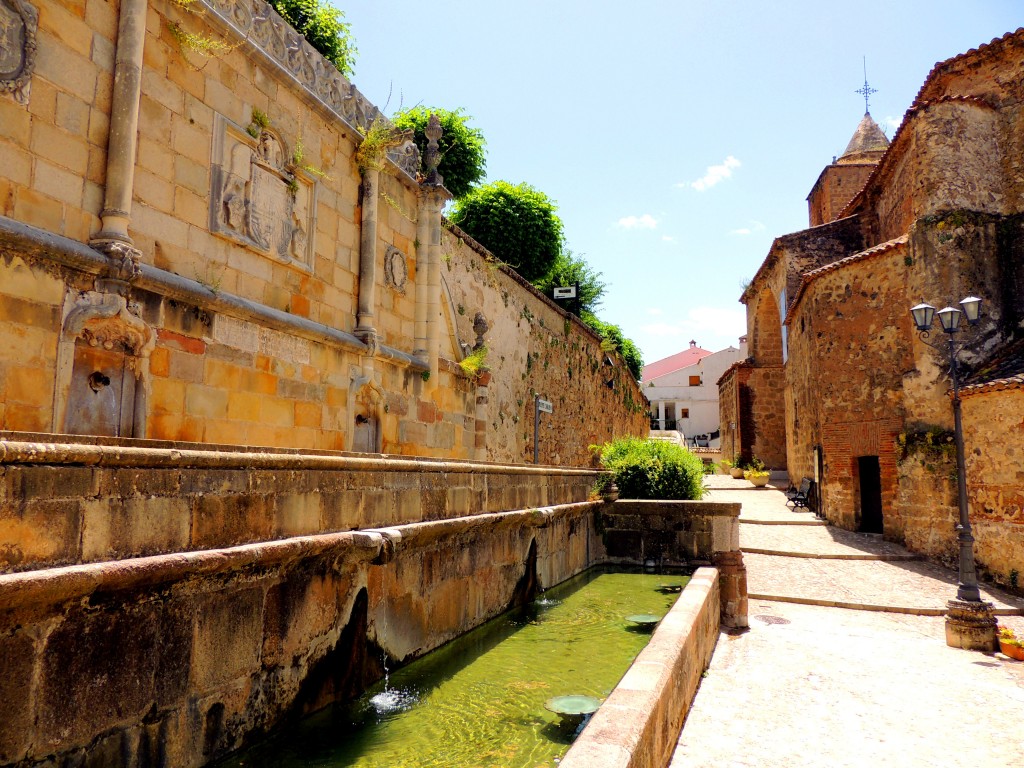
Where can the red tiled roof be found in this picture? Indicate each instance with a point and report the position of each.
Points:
(674, 362)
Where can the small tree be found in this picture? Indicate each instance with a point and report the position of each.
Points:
(611, 336)
(323, 27)
(516, 223)
(462, 147)
(569, 269)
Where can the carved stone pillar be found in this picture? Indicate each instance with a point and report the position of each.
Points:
(435, 201)
(732, 575)
(422, 288)
(368, 256)
(971, 625)
(124, 125)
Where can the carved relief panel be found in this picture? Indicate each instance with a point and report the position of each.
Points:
(259, 197)
(18, 24)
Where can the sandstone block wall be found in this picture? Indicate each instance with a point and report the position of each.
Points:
(176, 660)
(124, 501)
(247, 210)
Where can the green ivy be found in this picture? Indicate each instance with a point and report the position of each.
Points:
(516, 223)
(612, 340)
(462, 147)
(323, 27)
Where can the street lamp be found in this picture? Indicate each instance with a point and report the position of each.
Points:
(969, 622)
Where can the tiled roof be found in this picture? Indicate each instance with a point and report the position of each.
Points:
(896, 146)
(1004, 370)
(866, 139)
(674, 362)
(991, 48)
(811, 276)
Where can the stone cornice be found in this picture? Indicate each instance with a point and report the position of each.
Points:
(259, 27)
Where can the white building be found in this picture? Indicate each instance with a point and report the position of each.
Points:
(683, 389)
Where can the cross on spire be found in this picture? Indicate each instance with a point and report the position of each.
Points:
(867, 90)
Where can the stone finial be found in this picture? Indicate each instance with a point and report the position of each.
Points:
(433, 156)
(480, 327)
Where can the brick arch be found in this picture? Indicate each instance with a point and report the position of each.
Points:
(766, 333)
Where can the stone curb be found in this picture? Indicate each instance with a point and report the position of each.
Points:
(910, 610)
(836, 556)
(782, 522)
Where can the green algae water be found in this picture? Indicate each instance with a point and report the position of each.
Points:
(478, 702)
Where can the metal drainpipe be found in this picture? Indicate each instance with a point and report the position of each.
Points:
(435, 200)
(124, 125)
(422, 276)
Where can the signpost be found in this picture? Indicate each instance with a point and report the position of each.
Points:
(539, 407)
(567, 293)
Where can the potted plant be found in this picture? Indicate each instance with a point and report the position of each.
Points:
(736, 467)
(1010, 644)
(756, 473)
(724, 466)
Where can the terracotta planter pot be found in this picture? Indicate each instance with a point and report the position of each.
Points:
(1013, 651)
(759, 482)
(736, 472)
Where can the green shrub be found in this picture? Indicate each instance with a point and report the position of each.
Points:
(462, 148)
(653, 469)
(568, 269)
(613, 340)
(516, 223)
(323, 27)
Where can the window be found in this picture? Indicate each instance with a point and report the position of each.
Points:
(684, 413)
(695, 381)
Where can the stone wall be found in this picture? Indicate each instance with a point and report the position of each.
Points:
(179, 658)
(834, 189)
(993, 422)
(535, 347)
(66, 504)
(265, 290)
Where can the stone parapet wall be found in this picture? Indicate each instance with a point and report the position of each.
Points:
(639, 724)
(672, 533)
(74, 503)
(178, 659)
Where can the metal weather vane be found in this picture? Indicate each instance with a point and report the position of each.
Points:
(867, 90)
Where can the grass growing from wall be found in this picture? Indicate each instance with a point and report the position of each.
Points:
(653, 469)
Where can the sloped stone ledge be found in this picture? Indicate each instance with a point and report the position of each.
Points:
(639, 724)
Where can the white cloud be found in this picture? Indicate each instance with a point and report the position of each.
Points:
(890, 124)
(755, 226)
(638, 222)
(667, 239)
(714, 174)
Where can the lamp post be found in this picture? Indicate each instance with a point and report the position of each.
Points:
(969, 620)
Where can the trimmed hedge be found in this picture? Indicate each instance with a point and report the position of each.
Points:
(653, 469)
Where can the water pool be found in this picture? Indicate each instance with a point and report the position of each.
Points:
(479, 701)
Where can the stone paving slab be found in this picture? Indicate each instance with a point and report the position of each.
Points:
(811, 686)
(915, 585)
(821, 541)
(759, 504)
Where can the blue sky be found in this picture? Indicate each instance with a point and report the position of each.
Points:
(677, 138)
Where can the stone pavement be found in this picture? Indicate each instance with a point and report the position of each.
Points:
(812, 685)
